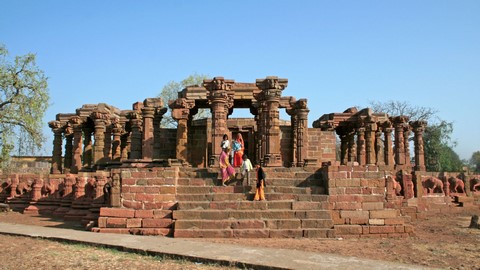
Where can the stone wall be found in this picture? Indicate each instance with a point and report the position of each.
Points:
(198, 145)
(168, 140)
(286, 145)
(358, 199)
(321, 145)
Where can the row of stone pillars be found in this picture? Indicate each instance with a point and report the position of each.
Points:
(368, 147)
(116, 137)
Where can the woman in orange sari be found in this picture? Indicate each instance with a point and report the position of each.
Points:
(227, 171)
(261, 184)
(238, 147)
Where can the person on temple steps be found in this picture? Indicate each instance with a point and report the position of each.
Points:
(238, 150)
(246, 168)
(261, 184)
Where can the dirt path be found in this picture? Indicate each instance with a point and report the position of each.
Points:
(442, 240)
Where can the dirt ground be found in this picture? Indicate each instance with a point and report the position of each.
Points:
(441, 241)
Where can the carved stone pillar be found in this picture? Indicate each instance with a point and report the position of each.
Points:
(371, 128)
(116, 132)
(69, 184)
(181, 113)
(302, 131)
(220, 98)
(107, 150)
(272, 88)
(87, 147)
(57, 147)
(147, 134)
(379, 151)
(361, 153)
(99, 135)
(136, 135)
(352, 153)
(343, 148)
(125, 144)
(77, 144)
(294, 125)
(157, 119)
(100, 183)
(79, 189)
(399, 123)
(418, 129)
(388, 146)
(406, 136)
(67, 161)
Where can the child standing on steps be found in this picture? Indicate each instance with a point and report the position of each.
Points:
(246, 168)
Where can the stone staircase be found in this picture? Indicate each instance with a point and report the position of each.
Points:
(295, 206)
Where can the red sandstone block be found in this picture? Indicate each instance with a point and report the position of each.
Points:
(348, 229)
(156, 223)
(137, 189)
(382, 229)
(283, 224)
(354, 214)
(168, 190)
(132, 204)
(376, 221)
(224, 205)
(387, 213)
(353, 190)
(350, 198)
(305, 205)
(128, 182)
(203, 233)
(347, 206)
(399, 228)
(128, 196)
(116, 223)
(138, 174)
(164, 198)
(253, 233)
(144, 214)
(395, 221)
(373, 198)
(152, 190)
(143, 197)
(116, 212)
(372, 206)
(161, 181)
(358, 175)
(102, 222)
(134, 223)
(318, 233)
(358, 221)
(379, 235)
(248, 224)
(150, 174)
(168, 205)
(292, 233)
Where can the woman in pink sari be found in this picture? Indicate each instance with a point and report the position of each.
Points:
(228, 172)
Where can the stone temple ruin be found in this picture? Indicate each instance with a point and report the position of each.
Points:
(350, 175)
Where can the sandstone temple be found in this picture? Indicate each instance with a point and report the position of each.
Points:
(357, 173)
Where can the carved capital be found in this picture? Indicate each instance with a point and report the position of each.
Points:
(272, 82)
(218, 83)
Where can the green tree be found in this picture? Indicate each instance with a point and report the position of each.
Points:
(475, 161)
(170, 92)
(438, 144)
(24, 99)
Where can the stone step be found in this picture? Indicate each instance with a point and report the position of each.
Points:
(249, 197)
(254, 233)
(270, 182)
(250, 205)
(243, 189)
(209, 214)
(254, 224)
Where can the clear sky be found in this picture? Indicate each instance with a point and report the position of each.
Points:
(337, 54)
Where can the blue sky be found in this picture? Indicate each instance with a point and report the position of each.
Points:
(337, 54)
